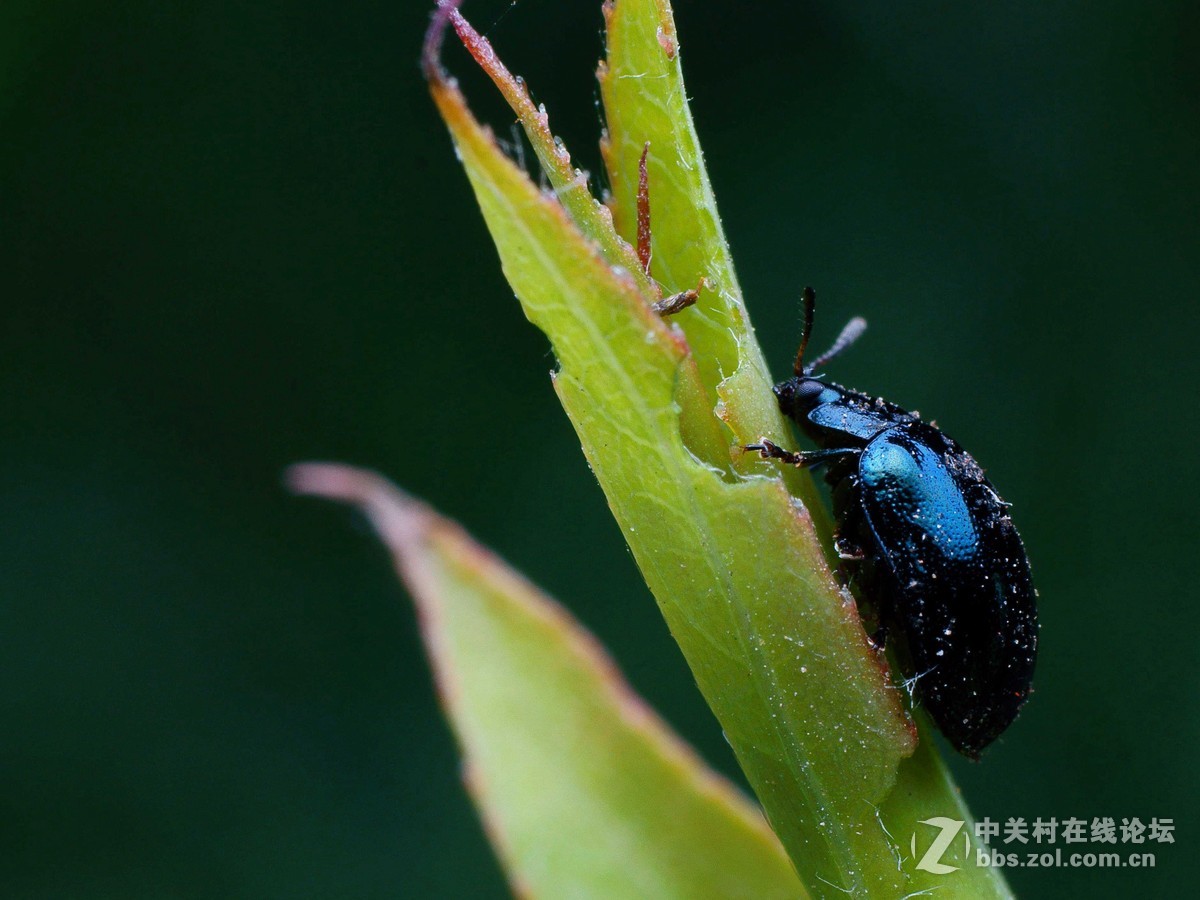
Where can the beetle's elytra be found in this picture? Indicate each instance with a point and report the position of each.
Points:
(930, 542)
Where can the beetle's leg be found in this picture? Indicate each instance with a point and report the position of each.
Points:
(850, 552)
(814, 458)
(879, 638)
(805, 458)
(769, 450)
(847, 549)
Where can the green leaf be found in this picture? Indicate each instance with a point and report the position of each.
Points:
(641, 84)
(727, 545)
(584, 790)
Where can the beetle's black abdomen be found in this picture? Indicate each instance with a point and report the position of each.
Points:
(951, 575)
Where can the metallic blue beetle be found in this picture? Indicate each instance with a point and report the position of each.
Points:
(931, 543)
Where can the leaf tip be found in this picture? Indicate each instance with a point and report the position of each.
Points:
(431, 49)
(399, 519)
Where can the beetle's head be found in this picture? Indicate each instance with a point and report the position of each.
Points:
(800, 394)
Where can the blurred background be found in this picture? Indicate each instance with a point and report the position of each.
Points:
(233, 236)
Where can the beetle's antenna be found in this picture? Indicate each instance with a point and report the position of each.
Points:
(851, 333)
(809, 297)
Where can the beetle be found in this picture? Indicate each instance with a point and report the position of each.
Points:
(929, 540)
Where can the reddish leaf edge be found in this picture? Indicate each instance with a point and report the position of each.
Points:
(413, 532)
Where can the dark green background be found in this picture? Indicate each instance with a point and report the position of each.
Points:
(234, 236)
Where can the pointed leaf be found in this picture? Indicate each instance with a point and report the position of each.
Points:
(584, 790)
